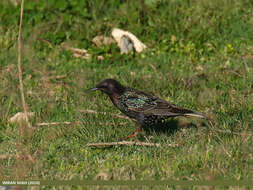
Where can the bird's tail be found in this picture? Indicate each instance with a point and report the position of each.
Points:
(196, 114)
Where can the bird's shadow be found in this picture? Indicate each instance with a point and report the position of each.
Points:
(168, 127)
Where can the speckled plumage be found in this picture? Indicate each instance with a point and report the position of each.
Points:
(144, 108)
(135, 104)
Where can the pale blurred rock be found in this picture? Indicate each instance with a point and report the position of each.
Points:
(126, 40)
(78, 53)
(15, 2)
(101, 58)
(126, 45)
(103, 40)
(19, 117)
(199, 68)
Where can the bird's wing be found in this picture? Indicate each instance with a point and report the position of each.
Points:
(155, 106)
(164, 108)
(139, 101)
(139, 105)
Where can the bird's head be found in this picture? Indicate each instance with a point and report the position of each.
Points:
(109, 86)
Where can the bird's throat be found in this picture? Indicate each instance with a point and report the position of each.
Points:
(114, 99)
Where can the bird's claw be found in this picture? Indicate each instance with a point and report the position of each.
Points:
(131, 136)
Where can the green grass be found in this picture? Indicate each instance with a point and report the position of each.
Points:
(199, 56)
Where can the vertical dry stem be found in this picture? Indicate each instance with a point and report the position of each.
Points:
(19, 64)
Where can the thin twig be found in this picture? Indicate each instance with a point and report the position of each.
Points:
(104, 113)
(128, 143)
(53, 123)
(124, 143)
(19, 63)
(58, 77)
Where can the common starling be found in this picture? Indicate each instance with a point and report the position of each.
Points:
(142, 107)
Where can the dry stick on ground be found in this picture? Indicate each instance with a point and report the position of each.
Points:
(124, 143)
(19, 63)
(129, 143)
(104, 113)
(68, 123)
(53, 123)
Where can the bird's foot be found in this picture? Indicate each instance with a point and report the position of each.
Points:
(135, 134)
(131, 136)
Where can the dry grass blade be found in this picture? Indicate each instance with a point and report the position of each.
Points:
(104, 113)
(128, 143)
(19, 64)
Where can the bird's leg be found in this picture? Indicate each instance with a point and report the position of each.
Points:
(136, 133)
